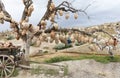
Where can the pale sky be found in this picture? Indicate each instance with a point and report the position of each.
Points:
(101, 11)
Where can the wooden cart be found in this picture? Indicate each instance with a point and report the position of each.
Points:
(9, 59)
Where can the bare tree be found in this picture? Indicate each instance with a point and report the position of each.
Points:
(25, 31)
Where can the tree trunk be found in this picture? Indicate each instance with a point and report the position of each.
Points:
(26, 46)
(27, 49)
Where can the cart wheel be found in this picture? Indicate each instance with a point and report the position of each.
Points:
(7, 66)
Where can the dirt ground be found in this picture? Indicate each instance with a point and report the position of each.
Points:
(81, 69)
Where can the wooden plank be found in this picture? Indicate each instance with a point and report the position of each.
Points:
(24, 66)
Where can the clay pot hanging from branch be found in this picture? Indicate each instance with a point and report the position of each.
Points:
(55, 25)
(52, 17)
(30, 10)
(17, 37)
(43, 24)
(25, 25)
(52, 34)
(60, 12)
(23, 32)
(1, 17)
(76, 15)
(26, 19)
(52, 6)
(52, 20)
(67, 16)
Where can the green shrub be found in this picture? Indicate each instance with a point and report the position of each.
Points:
(9, 37)
(45, 52)
(58, 59)
(102, 59)
(68, 46)
(59, 46)
(62, 46)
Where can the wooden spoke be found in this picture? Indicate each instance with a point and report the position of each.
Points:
(10, 67)
(5, 73)
(8, 70)
(10, 63)
(6, 60)
(3, 59)
(1, 74)
(0, 62)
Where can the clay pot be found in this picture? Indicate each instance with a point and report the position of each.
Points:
(43, 37)
(25, 24)
(1, 15)
(52, 34)
(60, 12)
(43, 23)
(52, 6)
(30, 10)
(82, 38)
(17, 37)
(27, 19)
(67, 16)
(55, 25)
(111, 41)
(52, 20)
(52, 16)
(23, 32)
(75, 15)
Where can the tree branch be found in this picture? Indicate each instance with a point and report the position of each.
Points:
(27, 4)
(64, 6)
(8, 18)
